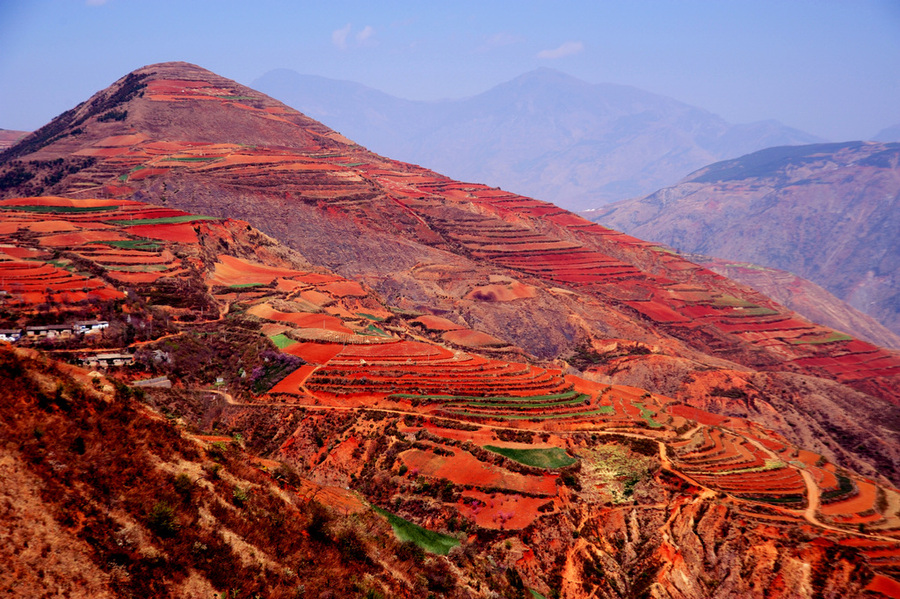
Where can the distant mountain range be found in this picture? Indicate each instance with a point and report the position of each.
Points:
(544, 134)
(9, 137)
(891, 133)
(827, 212)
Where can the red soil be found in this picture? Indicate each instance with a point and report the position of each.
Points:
(692, 413)
(499, 510)
(301, 319)
(20, 253)
(861, 502)
(318, 353)
(58, 201)
(292, 382)
(473, 339)
(179, 233)
(436, 323)
(884, 585)
(81, 237)
(235, 271)
(345, 289)
(463, 469)
(502, 293)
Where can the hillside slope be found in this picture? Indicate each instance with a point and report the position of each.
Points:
(579, 411)
(829, 213)
(281, 471)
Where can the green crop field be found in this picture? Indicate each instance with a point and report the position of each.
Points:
(192, 159)
(133, 244)
(495, 416)
(61, 209)
(282, 341)
(647, 415)
(404, 530)
(830, 338)
(522, 405)
(168, 220)
(137, 267)
(550, 457)
(488, 398)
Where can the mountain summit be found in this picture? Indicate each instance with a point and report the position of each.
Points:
(544, 134)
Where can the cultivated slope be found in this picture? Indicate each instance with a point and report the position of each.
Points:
(829, 213)
(530, 481)
(544, 134)
(539, 282)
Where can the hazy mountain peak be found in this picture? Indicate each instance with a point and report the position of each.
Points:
(544, 133)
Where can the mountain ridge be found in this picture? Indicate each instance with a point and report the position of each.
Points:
(839, 200)
(598, 142)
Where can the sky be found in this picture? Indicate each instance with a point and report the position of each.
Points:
(830, 68)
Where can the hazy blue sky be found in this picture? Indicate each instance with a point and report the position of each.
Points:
(830, 68)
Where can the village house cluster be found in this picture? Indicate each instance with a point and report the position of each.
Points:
(51, 331)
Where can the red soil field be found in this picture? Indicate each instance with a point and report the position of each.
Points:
(884, 585)
(138, 277)
(235, 271)
(146, 172)
(502, 293)
(292, 382)
(861, 502)
(400, 350)
(20, 253)
(58, 201)
(81, 237)
(463, 469)
(178, 233)
(150, 213)
(301, 319)
(318, 353)
(345, 289)
(657, 311)
(695, 414)
(473, 339)
(52, 226)
(500, 510)
(436, 323)
(480, 437)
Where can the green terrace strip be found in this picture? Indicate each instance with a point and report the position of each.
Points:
(376, 331)
(370, 317)
(191, 159)
(404, 530)
(520, 405)
(535, 594)
(647, 414)
(833, 337)
(755, 311)
(137, 267)
(488, 398)
(768, 465)
(550, 457)
(168, 220)
(133, 244)
(246, 285)
(282, 341)
(61, 209)
(496, 416)
(236, 97)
